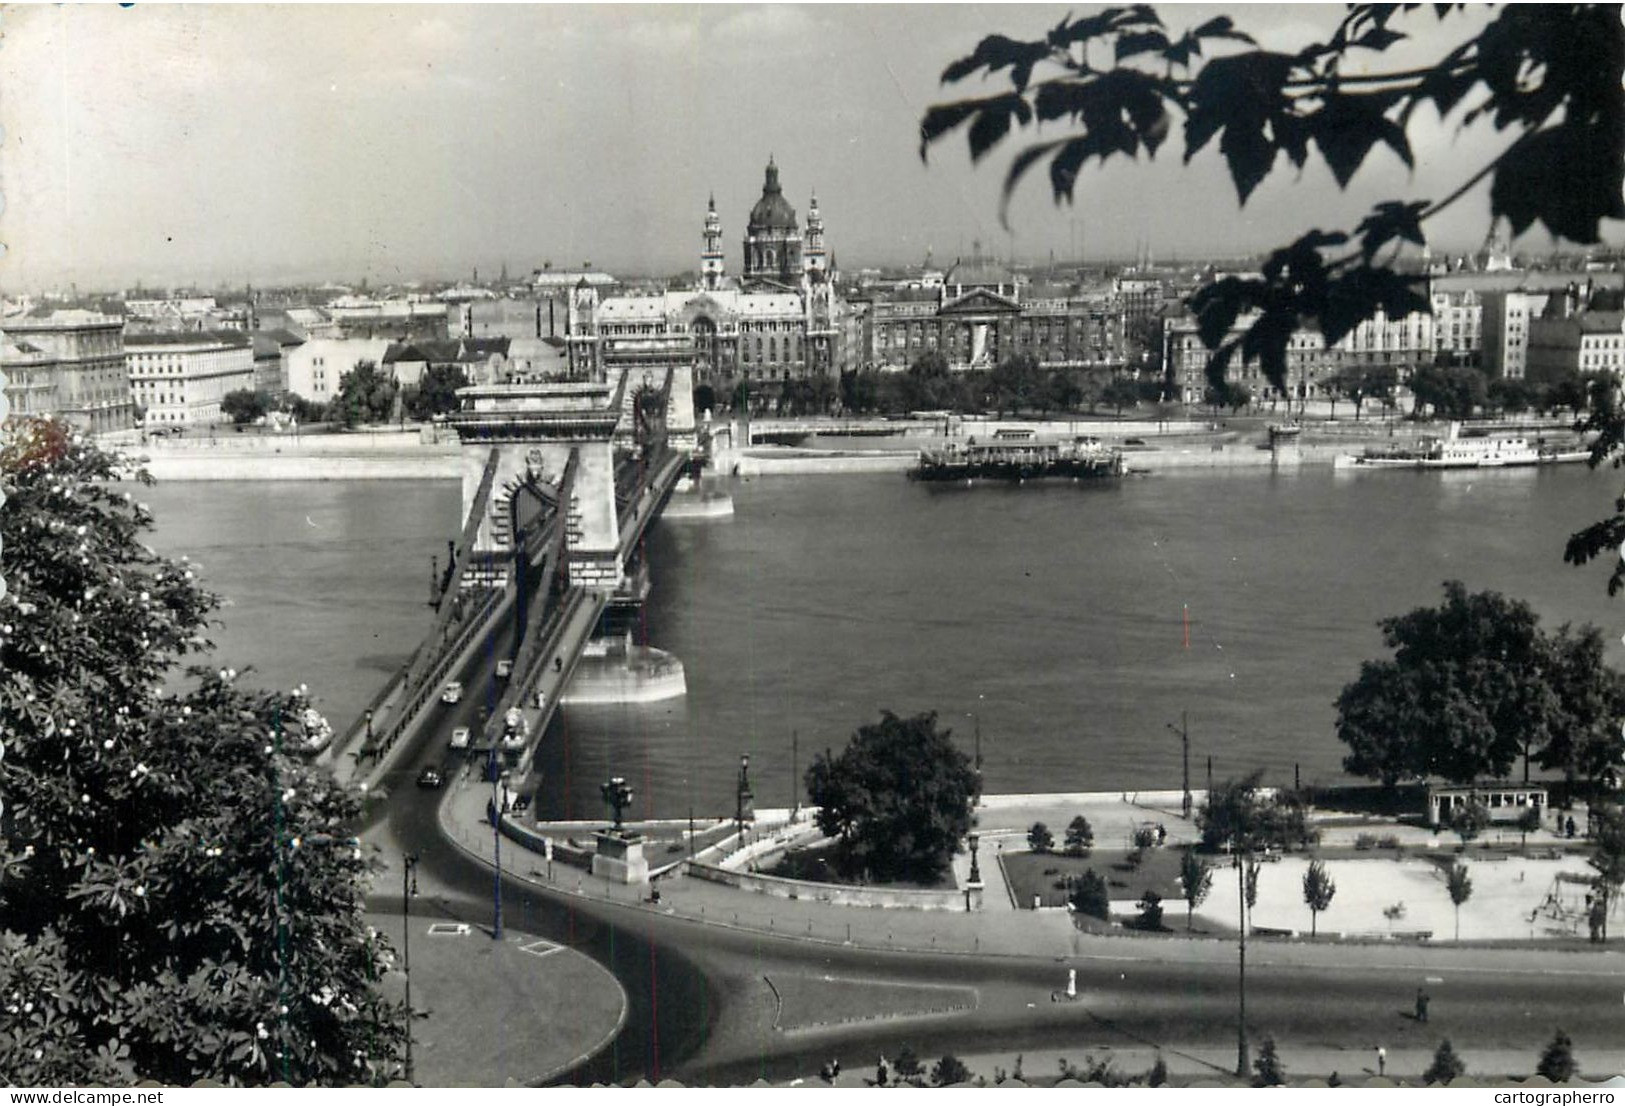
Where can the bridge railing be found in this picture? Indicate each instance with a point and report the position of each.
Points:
(475, 620)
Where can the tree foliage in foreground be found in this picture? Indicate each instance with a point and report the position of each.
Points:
(1117, 82)
(1473, 686)
(173, 902)
(1557, 1061)
(897, 799)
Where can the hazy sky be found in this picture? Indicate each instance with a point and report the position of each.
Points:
(243, 143)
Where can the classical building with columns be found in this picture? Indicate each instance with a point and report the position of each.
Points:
(779, 321)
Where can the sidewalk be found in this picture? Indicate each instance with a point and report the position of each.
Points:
(522, 1011)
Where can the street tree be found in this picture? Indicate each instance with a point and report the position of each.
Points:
(1446, 1066)
(244, 405)
(1465, 695)
(365, 395)
(897, 799)
(1268, 1069)
(1195, 880)
(1358, 383)
(1607, 856)
(1460, 886)
(1557, 1061)
(1015, 383)
(1080, 836)
(1470, 821)
(1528, 822)
(950, 1071)
(1449, 391)
(1586, 743)
(436, 392)
(1120, 392)
(1318, 890)
(1510, 395)
(1150, 907)
(1039, 838)
(1117, 81)
(179, 896)
(1090, 895)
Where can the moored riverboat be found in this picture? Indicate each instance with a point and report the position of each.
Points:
(1019, 459)
(1453, 451)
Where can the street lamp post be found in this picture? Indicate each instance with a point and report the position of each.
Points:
(1241, 968)
(409, 887)
(618, 794)
(1184, 732)
(975, 872)
(496, 843)
(742, 796)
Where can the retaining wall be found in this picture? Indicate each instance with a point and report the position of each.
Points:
(236, 465)
(838, 894)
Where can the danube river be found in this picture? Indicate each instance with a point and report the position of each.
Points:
(1073, 623)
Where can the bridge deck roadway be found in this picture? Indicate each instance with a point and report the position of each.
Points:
(564, 632)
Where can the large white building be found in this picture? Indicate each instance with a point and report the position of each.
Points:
(315, 368)
(30, 379)
(179, 379)
(92, 385)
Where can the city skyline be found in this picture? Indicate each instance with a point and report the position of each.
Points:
(396, 143)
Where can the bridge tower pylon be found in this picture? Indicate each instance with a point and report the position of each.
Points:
(536, 427)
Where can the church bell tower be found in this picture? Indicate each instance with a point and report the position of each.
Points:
(711, 260)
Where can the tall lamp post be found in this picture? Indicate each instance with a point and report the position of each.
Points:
(496, 842)
(1241, 968)
(1184, 732)
(409, 887)
(619, 796)
(742, 796)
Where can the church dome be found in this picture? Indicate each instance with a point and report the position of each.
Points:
(772, 211)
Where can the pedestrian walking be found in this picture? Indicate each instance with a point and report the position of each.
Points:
(882, 1072)
(1422, 1000)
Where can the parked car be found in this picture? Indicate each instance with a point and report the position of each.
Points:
(431, 778)
(460, 737)
(453, 693)
(504, 669)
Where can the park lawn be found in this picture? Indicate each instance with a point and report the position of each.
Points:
(1039, 874)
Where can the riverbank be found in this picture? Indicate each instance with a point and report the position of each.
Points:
(428, 454)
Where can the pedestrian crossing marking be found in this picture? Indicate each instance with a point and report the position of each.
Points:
(541, 948)
(449, 929)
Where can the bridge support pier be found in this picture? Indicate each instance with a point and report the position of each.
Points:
(536, 428)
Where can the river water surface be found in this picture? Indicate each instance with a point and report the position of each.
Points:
(1055, 618)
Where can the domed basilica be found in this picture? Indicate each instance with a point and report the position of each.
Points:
(778, 322)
